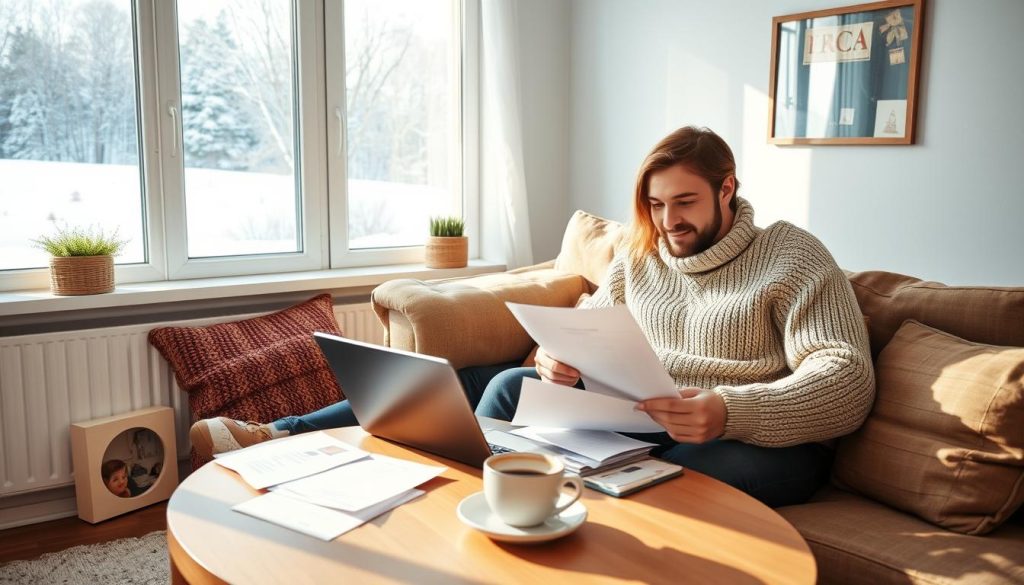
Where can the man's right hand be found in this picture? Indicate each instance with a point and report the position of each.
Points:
(552, 370)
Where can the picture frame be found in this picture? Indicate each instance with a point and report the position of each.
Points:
(846, 75)
(124, 462)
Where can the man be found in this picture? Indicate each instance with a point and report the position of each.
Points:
(759, 329)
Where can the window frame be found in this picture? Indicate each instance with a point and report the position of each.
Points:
(465, 177)
(305, 60)
(321, 176)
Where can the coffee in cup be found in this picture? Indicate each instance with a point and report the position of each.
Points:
(523, 489)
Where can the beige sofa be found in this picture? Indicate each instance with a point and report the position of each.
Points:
(937, 465)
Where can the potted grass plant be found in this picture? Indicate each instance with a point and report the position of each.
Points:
(81, 260)
(447, 247)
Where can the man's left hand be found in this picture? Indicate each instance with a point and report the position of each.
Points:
(696, 416)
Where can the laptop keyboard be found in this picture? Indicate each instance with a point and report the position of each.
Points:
(495, 449)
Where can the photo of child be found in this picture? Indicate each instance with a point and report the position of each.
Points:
(115, 477)
(132, 462)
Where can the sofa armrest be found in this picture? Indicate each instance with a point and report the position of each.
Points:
(465, 320)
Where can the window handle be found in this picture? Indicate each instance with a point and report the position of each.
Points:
(341, 131)
(173, 112)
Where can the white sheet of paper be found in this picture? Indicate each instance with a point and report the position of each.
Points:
(597, 445)
(275, 462)
(316, 521)
(360, 484)
(543, 404)
(606, 345)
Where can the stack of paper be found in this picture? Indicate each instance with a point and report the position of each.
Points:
(316, 521)
(323, 487)
(275, 462)
(587, 452)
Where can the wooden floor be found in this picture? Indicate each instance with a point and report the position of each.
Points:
(28, 542)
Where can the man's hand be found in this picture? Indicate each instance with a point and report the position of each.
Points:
(697, 416)
(552, 370)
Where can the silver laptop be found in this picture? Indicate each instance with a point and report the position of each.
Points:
(414, 399)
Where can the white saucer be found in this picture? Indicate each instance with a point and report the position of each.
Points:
(474, 512)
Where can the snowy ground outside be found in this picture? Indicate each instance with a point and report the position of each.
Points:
(229, 212)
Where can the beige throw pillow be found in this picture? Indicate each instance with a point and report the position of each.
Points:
(945, 440)
(588, 246)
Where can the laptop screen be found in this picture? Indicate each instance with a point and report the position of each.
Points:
(408, 398)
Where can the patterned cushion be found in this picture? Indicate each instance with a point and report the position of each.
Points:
(945, 440)
(257, 369)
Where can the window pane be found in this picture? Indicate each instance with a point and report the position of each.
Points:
(237, 112)
(401, 77)
(69, 145)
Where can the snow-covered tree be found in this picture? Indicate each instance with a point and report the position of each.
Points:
(217, 133)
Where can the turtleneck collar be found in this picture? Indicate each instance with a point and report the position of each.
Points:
(735, 242)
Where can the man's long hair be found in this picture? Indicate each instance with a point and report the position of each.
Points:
(701, 152)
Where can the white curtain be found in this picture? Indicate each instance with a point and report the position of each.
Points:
(503, 179)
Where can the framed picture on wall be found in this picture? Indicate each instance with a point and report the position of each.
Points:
(846, 75)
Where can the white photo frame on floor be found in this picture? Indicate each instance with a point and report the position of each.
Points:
(124, 462)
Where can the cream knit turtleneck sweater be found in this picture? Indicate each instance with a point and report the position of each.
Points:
(764, 318)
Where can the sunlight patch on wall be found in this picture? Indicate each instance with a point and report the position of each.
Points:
(776, 180)
(696, 93)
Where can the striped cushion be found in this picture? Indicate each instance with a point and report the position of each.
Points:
(945, 440)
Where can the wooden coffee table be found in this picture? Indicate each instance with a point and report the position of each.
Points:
(690, 529)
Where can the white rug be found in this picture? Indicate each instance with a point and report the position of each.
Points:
(128, 561)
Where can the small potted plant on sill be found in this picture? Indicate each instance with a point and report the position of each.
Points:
(81, 260)
(446, 246)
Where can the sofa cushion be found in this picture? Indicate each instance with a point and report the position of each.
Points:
(984, 314)
(945, 439)
(857, 540)
(257, 369)
(588, 245)
(465, 320)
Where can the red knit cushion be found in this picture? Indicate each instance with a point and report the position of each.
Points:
(259, 369)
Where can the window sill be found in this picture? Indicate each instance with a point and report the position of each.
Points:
(30, 302)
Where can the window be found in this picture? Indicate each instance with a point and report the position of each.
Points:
(69, 141)
(238, 128)
(398, 81)
(231, 136)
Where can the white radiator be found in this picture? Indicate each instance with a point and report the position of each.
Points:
(50, 380)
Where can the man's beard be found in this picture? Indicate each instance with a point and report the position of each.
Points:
(705, 237)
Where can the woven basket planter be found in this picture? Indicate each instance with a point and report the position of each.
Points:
(447, 252)
(81, 275)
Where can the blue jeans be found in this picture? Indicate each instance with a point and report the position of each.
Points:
(777, 476)
(340, 414)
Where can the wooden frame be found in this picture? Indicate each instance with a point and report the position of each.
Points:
(846, 75)
(95, 442)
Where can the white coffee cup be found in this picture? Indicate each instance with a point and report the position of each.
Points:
(523, 489)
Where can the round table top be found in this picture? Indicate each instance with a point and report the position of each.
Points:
(691, 528)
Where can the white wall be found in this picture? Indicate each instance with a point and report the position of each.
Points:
(949, 208)
(544, 74)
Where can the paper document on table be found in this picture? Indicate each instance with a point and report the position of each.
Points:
(543, 404)
(597, 445)
(361, 484)
(316, 521)
(275, 462)
(606, 345)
